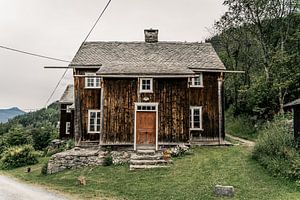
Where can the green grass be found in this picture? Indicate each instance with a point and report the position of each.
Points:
(191, 177)
(241, 126)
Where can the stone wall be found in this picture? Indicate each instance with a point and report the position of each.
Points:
(79, 157)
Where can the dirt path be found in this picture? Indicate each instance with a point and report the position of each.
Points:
(241, 140)
(10, 189)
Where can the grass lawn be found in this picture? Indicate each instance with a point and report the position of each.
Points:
(191, 177)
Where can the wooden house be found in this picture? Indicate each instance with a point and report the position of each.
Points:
(295, 106)
(148, 93)
(66, 125)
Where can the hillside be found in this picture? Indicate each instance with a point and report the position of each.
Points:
(6, 114)
(35, 119)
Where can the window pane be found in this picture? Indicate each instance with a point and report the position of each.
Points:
(98, 128)
(196, 112)
(153, 108)
(92, 128)
(196, 124)
(92, 114)
(139, 107)
(97, 82)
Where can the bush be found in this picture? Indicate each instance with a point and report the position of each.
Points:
(276, 149)
(18, 136)
(18, 156)
(41, 138)
(108, 160)
(44, 169)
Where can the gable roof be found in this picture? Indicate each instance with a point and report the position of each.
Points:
(293, 103)
(68, 95)
(148, 58)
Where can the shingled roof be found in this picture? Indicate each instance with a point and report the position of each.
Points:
(68, 95)
(176, 58)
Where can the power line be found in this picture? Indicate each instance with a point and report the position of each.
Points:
(33, 54)
(79, 48)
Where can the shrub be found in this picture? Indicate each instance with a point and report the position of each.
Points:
(276, 149)
(44, 169)
(108, 160)
(18, 156)
(41, 138)
(18, 136)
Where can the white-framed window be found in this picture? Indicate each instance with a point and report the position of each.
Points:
(68, 128)
(68, 109)
(196, 118)
(91, 81)
(146, 85)
(94, 121)
(197, 81)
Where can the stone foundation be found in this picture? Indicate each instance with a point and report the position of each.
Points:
(80, 157)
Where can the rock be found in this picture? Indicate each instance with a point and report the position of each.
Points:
(224, 191)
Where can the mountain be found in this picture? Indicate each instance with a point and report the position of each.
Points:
(6, 114)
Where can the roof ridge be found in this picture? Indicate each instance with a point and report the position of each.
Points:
(142, 42)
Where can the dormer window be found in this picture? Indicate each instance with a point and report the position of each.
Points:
(91, 81)
(146, 85)
(197, 81)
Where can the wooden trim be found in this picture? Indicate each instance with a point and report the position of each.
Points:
(141, 85)
(192, 117)
(94, 77)
(88, 128)
(136, 104)
(101, 110)
(193, 81)
(220, 80)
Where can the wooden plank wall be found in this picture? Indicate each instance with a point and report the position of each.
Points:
(119, 98)
(65, 117)
(87, 99)
(207, 97)
(173, 110)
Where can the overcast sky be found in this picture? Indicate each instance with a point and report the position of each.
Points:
(56, 28)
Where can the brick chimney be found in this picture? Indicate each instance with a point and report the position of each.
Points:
(151, 35)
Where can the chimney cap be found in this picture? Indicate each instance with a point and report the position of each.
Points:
(151, 35)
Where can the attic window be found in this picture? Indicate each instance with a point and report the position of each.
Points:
(146, 85)
(91, 81)
(197, 81)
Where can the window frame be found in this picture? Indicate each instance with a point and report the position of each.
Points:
(95, 121)
(68, 128)
(192, 81)
(92, 76)
(141, 85)
(192, 124)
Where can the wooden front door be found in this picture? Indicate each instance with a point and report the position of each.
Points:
(145, 127)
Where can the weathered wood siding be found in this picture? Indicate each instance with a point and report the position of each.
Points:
(173, 109)
(85, 99)
(119, 98)
(65, 117)
(207, 97)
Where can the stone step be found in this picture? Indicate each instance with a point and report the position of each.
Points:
(135, 167)
(150, 162)
(146, 157)
(145, 152)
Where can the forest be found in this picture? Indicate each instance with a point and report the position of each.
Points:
(261, 38)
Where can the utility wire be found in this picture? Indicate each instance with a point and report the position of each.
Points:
(79, 48)
(33, 54)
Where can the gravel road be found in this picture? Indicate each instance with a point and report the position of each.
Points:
(11, 189)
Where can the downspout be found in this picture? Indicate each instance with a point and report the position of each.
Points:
(220, 106)
(102, 111)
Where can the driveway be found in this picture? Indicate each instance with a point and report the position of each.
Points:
(11, 189)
